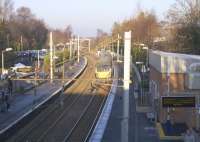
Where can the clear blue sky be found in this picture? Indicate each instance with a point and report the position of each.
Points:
(86, 16)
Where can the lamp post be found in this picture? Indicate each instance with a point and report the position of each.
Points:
(118, 42)
(70, 49)
(51, 56)
(143, 70)
(63, 78)
(78, 48)
(6, 50)
(168, 87)
(147, 59)
(38, 61)
(35, 84)
(63, 75)
(141, 94)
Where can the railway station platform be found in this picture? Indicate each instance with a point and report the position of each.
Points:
(23, 104)
(140, 128)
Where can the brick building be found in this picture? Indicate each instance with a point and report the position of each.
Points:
(173, 74)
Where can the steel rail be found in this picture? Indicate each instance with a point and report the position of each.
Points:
(95, 120)
(63, 114)
(81, 116)
(53, 109)
(97, 102)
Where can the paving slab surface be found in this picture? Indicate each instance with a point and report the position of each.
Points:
(140, 128)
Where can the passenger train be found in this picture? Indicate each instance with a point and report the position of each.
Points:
(103, 68)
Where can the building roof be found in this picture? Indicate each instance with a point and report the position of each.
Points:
(178, 55)
(166, 62)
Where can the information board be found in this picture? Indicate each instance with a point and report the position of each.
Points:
(178, 101)
(25, 69)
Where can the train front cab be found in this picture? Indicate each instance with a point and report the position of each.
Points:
(104, 74)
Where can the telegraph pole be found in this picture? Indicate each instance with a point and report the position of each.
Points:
(168, 87)
(63, 75)
(89, 44)
(112, 49)
(78, 49)
(51, 57)
(63, 81)
(125, 118)
(35, 84)
(38, 64)
(2, 61)
(21, 42)
(70, 49)
(118, 48)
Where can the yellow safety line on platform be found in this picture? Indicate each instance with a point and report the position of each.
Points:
(160, 131)
(162, 135)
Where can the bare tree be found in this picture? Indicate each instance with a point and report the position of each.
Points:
(24, 14)
(6, 9)
(184, 12)
(145, 27)
(68, 32)
(184, 19)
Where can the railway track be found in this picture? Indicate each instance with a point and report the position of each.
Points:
(84, 126)
(71, 120)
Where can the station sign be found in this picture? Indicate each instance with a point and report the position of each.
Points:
(178, 101)
(25, 69)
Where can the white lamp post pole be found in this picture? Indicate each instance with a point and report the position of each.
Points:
(63, 65)
(78, 49)
(21, 43)
(118, 48)
(125, 119)
(168, 87)
(38, 64)
(70, 49)
(147, 59)
(141, 92)
(51, 57)
(2, 72)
